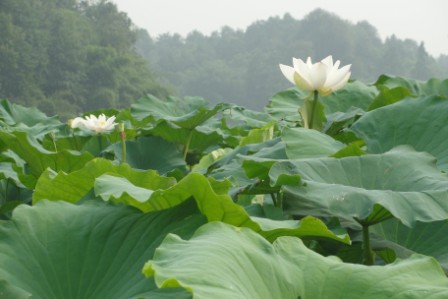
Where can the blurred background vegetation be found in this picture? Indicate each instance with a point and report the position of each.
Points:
(69, 56)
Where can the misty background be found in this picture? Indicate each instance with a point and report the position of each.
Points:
(70, 56)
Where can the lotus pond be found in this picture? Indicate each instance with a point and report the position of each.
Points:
(184, 200)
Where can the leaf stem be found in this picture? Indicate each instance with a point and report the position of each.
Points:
(369, 257)
(100, 144)
(52, 136)
(313, 108)
(277, 199)
(274, 199)
(75, 140)
(187, 145)
(123, 143)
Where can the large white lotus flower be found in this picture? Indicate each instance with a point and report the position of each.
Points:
(95, 124)
(323, 76)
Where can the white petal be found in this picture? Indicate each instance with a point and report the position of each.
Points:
(102, 117)
(77, 122)
(336, 76)
(288, 72)
(328, 61)
(302, 82)
(110, 123)
(341, 83)
(304, 71)
(309, 62)
(318, 75)
(336, 64)
(296, 62)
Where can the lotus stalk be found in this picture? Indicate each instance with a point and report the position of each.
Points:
(187, 145)
(123, 142)
(369, 255)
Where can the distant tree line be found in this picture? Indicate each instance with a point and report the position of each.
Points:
(68, 56)
(71, 56)
(242, 66)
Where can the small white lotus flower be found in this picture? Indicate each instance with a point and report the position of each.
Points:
(323, 76)
(95, 124)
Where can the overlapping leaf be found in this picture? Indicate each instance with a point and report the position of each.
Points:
(59, 250)
(216, 207)
(424, 238)
(187, 113)
(151, 153)
(221, 261)
(419, 122)
(285, 104)
(402, 182)
(303, 143)
(27, 119)
(415, 87)
(72, 187)
(38, 158)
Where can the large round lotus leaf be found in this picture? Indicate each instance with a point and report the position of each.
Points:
(285, 104)
(402, 182)
(215, 206)
(186, 113)
(164, 157)
(353, 94)
(415, 87)
(419, 122)
(28, 119)
(221, 262)
(303, 143)
(425, 238)
(57, 250)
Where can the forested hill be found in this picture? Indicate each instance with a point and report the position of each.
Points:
(242, 66)
(68, 56)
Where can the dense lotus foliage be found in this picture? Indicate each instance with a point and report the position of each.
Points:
(183, 200)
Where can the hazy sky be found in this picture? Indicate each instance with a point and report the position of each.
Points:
(421, 20)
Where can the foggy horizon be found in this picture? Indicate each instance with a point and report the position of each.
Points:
(421, 22)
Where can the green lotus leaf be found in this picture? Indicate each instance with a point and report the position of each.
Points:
(338, 121)
(38, 158)
(285, 105)
(9, 291)
(221, 261)
(419, 122)
(259, 135)
(202, 137)
(425, 238)
(402, 182)
(215, 206)
(303, 143)
(187, 113)
(209, 159)
(59, 250)
(28, 119)
(108, 185)
(240, 118)
(353, 94)
(233, 165)
(164, 156)
(390, 96)
(73, 186)
(415, 87)
(16, 174)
